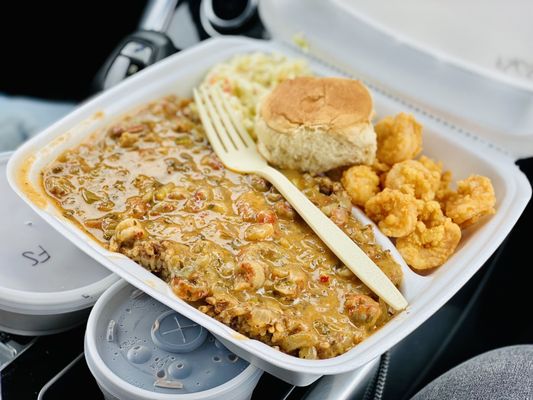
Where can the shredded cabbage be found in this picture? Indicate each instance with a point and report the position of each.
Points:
(249, 77)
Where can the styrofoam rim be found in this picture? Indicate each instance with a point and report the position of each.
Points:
(104, 375)
(27, 302)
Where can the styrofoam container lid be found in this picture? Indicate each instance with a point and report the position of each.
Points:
(40, 271)
(138, 348)
(480, 101)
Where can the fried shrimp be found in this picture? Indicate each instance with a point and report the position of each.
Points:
(417, 205)
(430, 214)
(474, 199)
(361, 183)
(413, 177)
(430, 164)
(433, 241)
(444, 191)
(395, 212)
(399, 138)
(381, 169)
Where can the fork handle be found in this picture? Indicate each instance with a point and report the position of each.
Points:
(335, 238)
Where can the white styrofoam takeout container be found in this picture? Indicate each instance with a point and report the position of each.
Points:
(460, 151)
(179, 74)
(46, 284)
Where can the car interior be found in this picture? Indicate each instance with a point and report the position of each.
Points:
(68, 53)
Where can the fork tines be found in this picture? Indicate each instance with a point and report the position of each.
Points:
(222, 125)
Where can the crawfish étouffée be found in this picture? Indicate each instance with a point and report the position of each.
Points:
(150, 187)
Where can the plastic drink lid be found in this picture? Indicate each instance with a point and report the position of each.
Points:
(152, 347)
(138, 348)
(41, 272)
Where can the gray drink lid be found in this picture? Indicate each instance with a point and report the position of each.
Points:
(154, 348)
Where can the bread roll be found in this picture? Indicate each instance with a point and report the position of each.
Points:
(316, 124)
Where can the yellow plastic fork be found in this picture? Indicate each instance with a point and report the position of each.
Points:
(236, 149)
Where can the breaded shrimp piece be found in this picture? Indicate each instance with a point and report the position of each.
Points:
(430, 164)
(394, 212)
(399, 138)
(361, 183)
(444, 191)
(474, 199)
(412, 177)
(433, 241)
(381, 169)
(430, 214)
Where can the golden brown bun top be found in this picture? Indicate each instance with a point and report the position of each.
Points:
(326, 103)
